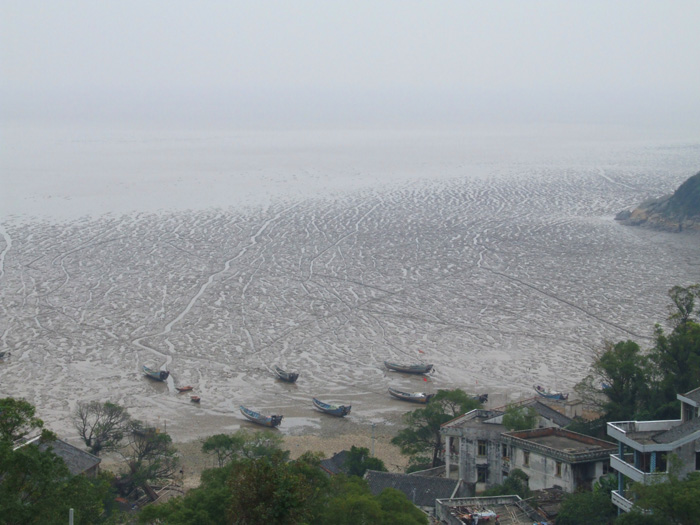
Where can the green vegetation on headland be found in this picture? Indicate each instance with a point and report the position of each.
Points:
(677, 212)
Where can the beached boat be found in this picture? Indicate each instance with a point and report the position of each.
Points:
(158, 375)
(289, 377)
(413, 397)
(195, 399)
(549, 394)
(481, 398)
(184, 388)
(3, 355)
(334, 410)
(419, 368)
(256, 417)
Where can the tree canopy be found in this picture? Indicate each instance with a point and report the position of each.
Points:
(627, 382)
(101, 426)
(17, 419)
(519, 418)
(36, 486)
(421, 439)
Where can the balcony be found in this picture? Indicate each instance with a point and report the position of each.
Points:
(639, 434)
(630, 471)
(621, 502)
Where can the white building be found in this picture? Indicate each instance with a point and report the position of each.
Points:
(557, 457)
(643, 447)
(474, 443)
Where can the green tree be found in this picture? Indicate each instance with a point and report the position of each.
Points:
(101, 426)
(515, 483)
(676, 499)
(242, 444)
(359, 461)
(17, 419)
(519, 417)
(684, 301)
(36, 486)
(150, 457)
(677, 357)
(620, 381)
(268, 490)
(422, 434)
(586, 508)
(398, 510)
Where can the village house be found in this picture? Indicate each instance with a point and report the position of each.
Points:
(474, 442)
(422, 491)
(556, 457)
(79, 462)
(643, 447)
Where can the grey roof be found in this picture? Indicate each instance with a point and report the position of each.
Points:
(78, 461)
(549, 413)
(678, 432)
(421, 490)
(336, 463)
(693, 395)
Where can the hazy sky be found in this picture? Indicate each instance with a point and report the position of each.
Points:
(234, 62)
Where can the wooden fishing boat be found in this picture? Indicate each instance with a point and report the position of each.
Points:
(3, 355)
(266, 421)
(195, 399)
(184, 388)
(158, 375)
(418, 368)
(289, 377)
(334, 410)
(413, 397)
(549, 394)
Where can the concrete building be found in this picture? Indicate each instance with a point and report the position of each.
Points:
(643, 447)
(557, 457)
(474, 442)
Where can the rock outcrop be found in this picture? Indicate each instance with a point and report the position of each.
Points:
(677, 212)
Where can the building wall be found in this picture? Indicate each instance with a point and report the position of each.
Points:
(686, 454)
(542, 471)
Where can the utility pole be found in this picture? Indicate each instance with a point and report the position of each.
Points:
(372, 439)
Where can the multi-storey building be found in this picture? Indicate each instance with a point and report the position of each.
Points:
(475, 443)
(643, 447)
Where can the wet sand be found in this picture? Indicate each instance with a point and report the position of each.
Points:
(501, 283)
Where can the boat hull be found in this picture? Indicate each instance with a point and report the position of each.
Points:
(157, 375)
(255, 417)
(411, 397)
(409, 369)
(560, 396)
(333, 410)
(289, 377)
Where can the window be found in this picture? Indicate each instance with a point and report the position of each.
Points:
(481, 473)
(558, 469)
(481, 448)
(504, 451)
(526, 458)
(697, 461)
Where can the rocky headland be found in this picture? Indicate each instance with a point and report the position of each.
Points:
(677, 212)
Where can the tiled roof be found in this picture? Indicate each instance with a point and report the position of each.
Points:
(336, 463)
(421, 490)
(78, 461)
(678, 432)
